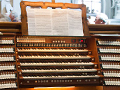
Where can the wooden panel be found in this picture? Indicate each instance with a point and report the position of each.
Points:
(9, 30)
(96, 27)
(10, 23)
(111, 87)
(104, 29)
(10, 27)
(7, 34)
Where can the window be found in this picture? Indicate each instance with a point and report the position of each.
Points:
(64, 1)
(93, 6)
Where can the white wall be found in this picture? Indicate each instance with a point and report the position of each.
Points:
(107, 8)
(16, 7)
(0, 6)
(63, 1)
(3, 4)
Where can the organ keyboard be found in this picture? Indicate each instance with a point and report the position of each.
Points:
(54, 57)
(10, 84)
(6, 50)
(113, 50)
(108, 66)
(60, 77)
(50, 61)
(108, 51)
(6, 40)
(55, 64)
(8, 73)
(51, 50)
(59, 71)
(109, 57)
(113, 42)
(117, 83)
(110, 74)
(7, 58)
(7, 67)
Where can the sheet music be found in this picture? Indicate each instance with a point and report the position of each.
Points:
(43, 22)
(75, 23)
(61, 22)
(31, 22)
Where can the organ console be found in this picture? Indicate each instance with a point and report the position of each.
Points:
(50, 61)
(56, 61)
(41, 61)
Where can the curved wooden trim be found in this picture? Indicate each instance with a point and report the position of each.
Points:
(74, 6)
(54, 5)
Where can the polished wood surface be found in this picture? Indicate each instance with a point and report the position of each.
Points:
(104, 29)
(10, 27)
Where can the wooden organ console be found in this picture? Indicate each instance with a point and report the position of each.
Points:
(42, 61)
(56, 61)
(86, 62)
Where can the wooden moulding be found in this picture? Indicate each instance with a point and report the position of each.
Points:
(8, 34)
(9, 30)
(10, 27)
(44, 5)
(104, 29)
(104, 32)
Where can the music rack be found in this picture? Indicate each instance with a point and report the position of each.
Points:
(45, 5)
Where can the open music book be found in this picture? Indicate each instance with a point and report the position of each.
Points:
(61, 22)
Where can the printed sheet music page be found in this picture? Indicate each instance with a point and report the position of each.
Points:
(60, 22)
